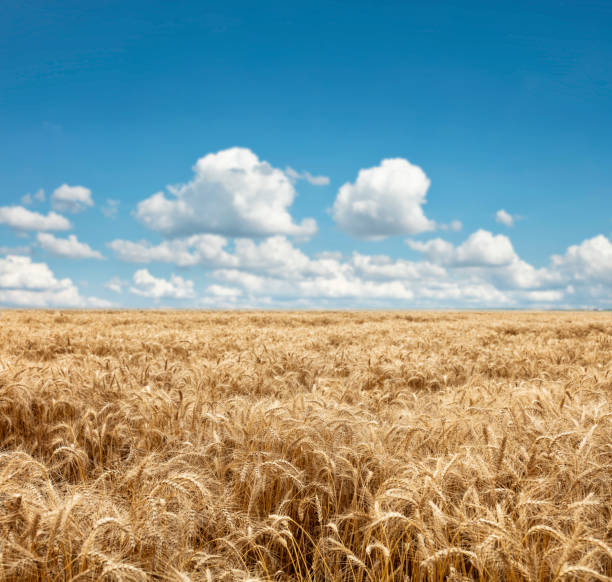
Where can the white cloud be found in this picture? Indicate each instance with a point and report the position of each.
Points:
(28, 199)
(486, 257)
(505, 218)
(275, 255)
(27, 284)
(111, 208)
(232, 193)
(314, 180)
(550, 296)
(343, 287)
(453, 226)
(223, 291)
(385, 200)
(199, 249)
(278, 271)
(482, 248)
(591, 260)
(381, 267)
(21, 273)
(67, 247)
(483, 271)
(339, 286)
(71, 198)
(251, 282)
(147, 285)
(520, 275)
(464, 293)
(21, 218)
(115, 285)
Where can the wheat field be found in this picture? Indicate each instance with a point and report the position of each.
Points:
(305, 446)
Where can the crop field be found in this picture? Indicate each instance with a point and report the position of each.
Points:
(305, 446)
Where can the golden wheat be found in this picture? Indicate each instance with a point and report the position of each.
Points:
(299, 446)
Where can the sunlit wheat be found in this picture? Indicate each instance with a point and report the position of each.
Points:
(305, 447)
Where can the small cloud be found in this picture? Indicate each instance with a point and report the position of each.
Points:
(21, 219)
(24, 283)
(38, 196)
(546, 296)
(71, 198)
(204, 249)
(314, 180)
(146, 285)
(481, 249)
(454, 226)
(69, 247)
(505, 218)
(224, 291)
(110, 208)
(115, 284)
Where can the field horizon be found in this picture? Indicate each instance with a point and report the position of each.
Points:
(461, 445)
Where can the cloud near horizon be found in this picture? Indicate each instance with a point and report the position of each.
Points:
(481, 249)
(25, 283)
(483, 270)
(230, 228)
(147, 285)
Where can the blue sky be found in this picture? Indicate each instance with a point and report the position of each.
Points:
(451, 111)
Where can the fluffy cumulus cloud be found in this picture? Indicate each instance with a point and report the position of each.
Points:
(199, 249)
(342, 285)
(71, 198)
(25, 283)
(21, 219)
(482, 248)
(69, 247)
(505, 218)
(18, 272)
(482, 271)
(385, 200)
(487, 257)
(232, 193)
(147, 285)
(224, 292)
(381, 267)
(274, 271)
(589, 261)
